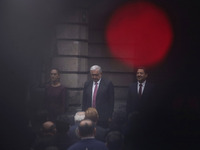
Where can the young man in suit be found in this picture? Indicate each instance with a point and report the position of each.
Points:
(140, 94)
(99, 93)
(140, 110)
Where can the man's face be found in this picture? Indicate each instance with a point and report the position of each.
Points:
(54, 75)
(95, 75)
(141, 75)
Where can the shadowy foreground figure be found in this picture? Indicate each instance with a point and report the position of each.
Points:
(86, 131)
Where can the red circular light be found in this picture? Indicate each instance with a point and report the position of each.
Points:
(139, 34)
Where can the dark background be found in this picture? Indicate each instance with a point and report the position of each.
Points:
(178, 74)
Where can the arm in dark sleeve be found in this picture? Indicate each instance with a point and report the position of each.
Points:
(111, 99)
(84, 100)
(44, 104)
(63, 100)
(128, 102)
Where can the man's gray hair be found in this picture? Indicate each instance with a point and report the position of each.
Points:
(96, 67)
(80, 115)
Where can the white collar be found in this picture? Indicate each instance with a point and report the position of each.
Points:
(97, 82)
(143, 83)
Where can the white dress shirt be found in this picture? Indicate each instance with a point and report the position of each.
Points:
(143, 85)
(93, 87)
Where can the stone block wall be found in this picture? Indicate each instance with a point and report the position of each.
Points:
(71, 56)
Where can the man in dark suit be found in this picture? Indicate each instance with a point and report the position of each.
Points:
(99, 93)
(86, 131)
(140, 111)
(140, 94)
(79, 115)
(47, 137)
(92, 114)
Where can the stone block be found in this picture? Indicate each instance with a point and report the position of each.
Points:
(120, 106)
(70, 64)
(66, 47)
(98, 50)
(110, 64)
(75, 15)
(121, 93)
(119, 79)
(96, 36)
(72, 31)
(83, 30)
(75, 97)
(73, 80)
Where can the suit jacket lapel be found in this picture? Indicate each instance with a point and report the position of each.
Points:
(90, 90)
(99, 89)
(145, 89)
(136, 90)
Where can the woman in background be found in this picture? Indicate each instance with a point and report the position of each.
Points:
(55, 96)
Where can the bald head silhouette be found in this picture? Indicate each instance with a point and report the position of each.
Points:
(86, 128)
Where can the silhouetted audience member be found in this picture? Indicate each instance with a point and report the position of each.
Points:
(51, 148)
(47, 137)
(86, 131)
(39, 118)
(63, 141)
(92, 114)
(119, 121)
(134, 135)
(79, 116)
(115, 140)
